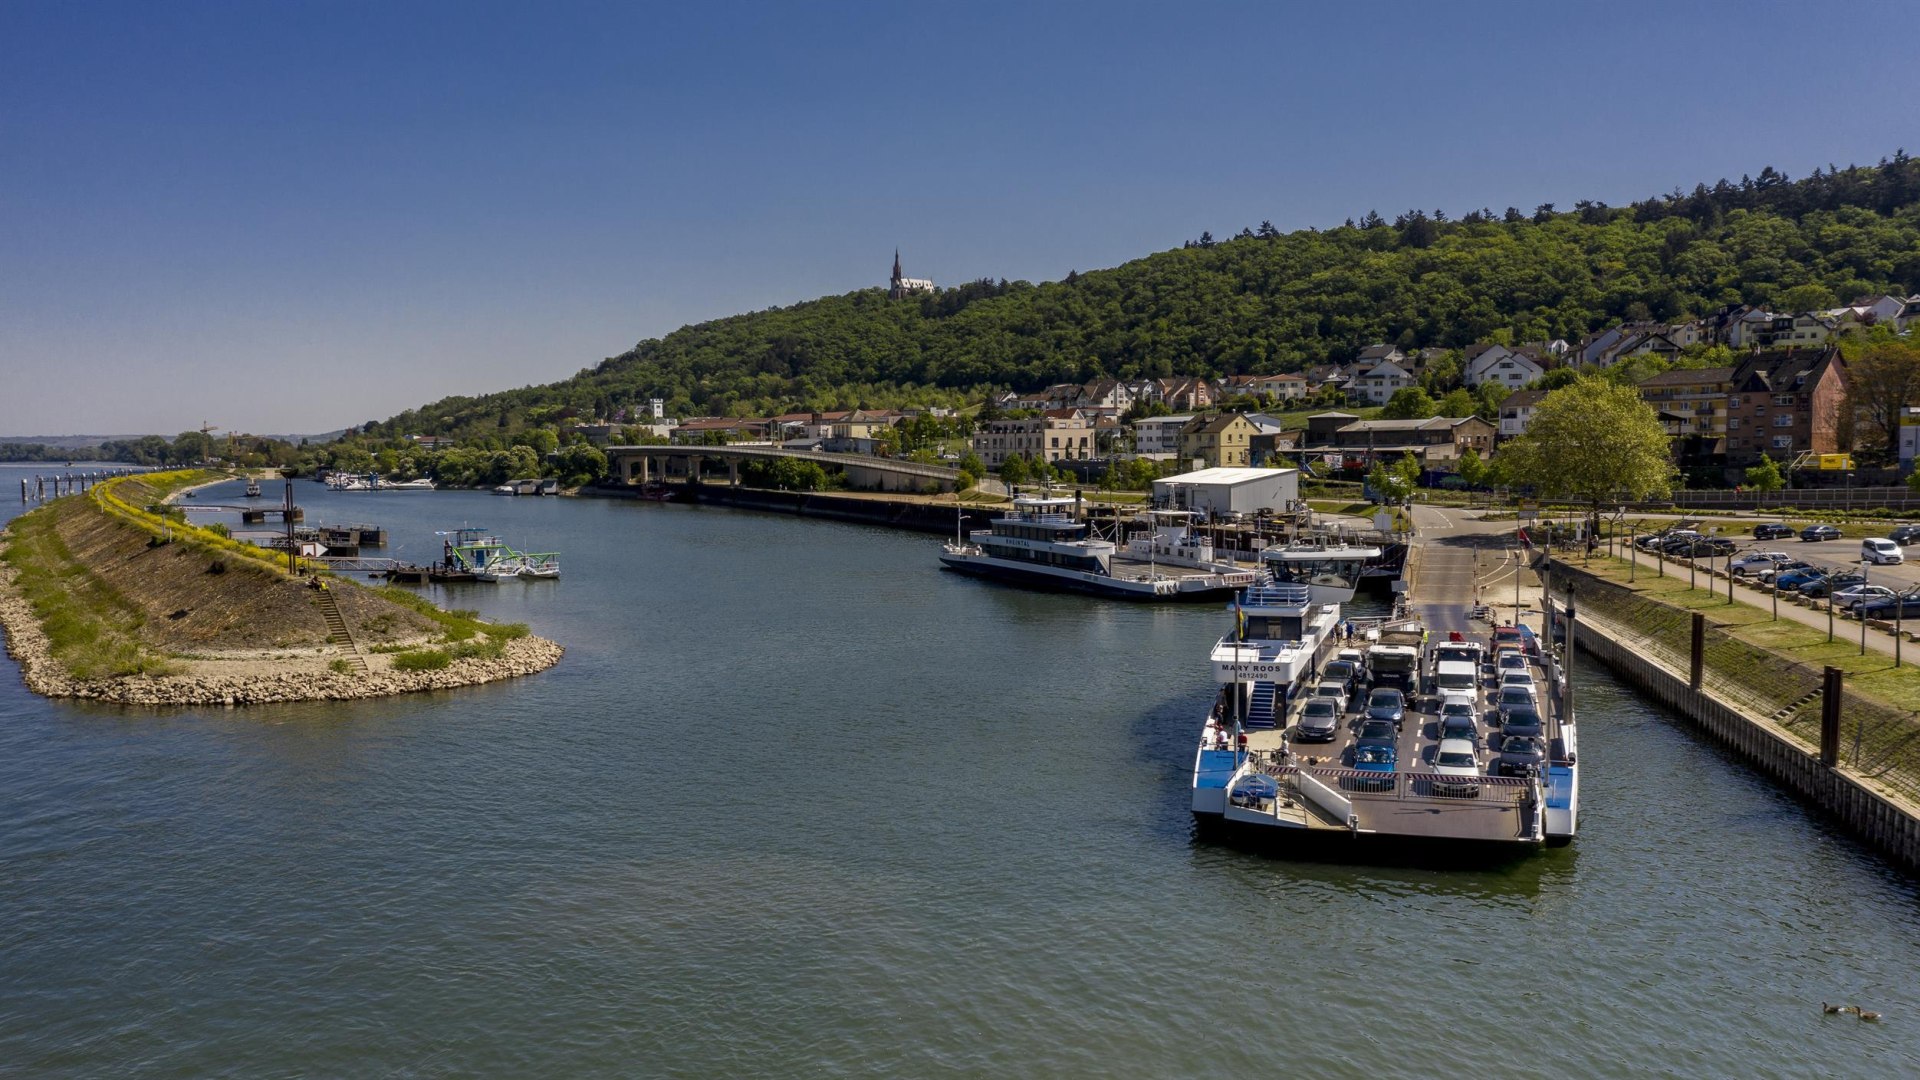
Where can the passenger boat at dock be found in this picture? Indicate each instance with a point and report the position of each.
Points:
(1364, 734)
(1041, 542)
(475, 555)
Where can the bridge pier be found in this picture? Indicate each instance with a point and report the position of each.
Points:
(733, 472)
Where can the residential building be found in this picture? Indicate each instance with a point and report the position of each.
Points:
(1060, 436)
(1785, 402)
(1183, 394)
(1438, 441)
(1693, 407)
(1516, 412)
(1107, 394)
(1155, 435)
(1796, 331)
(1379, 383)
(1271, 387)
(1909, 447)
(1379, 354)
(1219, 441)
(1499, 364)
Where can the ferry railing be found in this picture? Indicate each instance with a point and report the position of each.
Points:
(1277, 594)
(1492, 790)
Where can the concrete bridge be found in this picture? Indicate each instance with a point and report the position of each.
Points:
(650, 463)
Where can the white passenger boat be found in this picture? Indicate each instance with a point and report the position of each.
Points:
(1041, 543)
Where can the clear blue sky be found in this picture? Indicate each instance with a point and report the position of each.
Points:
(294, 217)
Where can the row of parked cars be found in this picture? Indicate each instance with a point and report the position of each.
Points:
(1519, 747)
(1687, 543)
(1847, 589)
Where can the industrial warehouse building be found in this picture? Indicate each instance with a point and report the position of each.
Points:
(1219, 492)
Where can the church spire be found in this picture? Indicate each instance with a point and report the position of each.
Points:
(896, 266)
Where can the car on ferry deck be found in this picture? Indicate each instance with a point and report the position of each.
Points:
(1521, 720)
(1458, 725)
(1334, 692)
(1456, 766)
(1377, 733)
(1319, 721)
(1387, 703)
(1343, 672)
(1520, 754)
(1375, 758)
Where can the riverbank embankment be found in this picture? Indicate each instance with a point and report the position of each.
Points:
(1765, 708)
(105, 596)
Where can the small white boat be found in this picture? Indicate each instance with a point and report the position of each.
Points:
(422, 484)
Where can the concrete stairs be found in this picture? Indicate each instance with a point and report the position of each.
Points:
(337, 631)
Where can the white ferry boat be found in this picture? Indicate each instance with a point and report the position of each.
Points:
(1041, 543)
(1502, 771)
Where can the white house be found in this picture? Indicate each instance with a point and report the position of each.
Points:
(1909, 448)
(1516, 412)
(1499, 364)
(1159, 434)
(1379, 383)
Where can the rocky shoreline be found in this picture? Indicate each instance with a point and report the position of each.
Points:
(258, 681)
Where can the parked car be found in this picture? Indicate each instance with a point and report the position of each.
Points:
(1680, 545)
(1822, 586)
(1820, 532)
(1319, 721)
(1387, 703)
(1903, 606)
(1521, 720)
(1853, 595)
(1514, 697)
(1753, 562)
(1342, 673)
(1374, 758)
(1708, 547)
(1905, 534)
(1790, 580)
(1457, 725)
(1518, 678)
(1334, 692)
(1377, 733)
(1772, 530)
(1456, 767)
(1520, 754)
(1885, 552)
(1787, 567)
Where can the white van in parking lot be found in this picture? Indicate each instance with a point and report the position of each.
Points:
(1876, 550)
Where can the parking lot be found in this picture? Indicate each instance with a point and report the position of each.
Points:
(1832, 553)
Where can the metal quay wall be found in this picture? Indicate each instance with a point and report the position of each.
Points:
(1886, 824)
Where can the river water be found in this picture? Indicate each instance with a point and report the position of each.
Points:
(798, 804)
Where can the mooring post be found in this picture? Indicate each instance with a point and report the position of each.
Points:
(1699, 652)
(1830, 717)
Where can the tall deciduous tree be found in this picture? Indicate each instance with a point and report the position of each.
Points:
(1408, 403)
(1881, 381)
(1594, 443)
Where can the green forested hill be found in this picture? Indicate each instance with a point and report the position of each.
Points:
(1264, 302)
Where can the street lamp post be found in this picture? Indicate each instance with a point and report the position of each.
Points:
(287, 474)
(1633, 551)
(1863, 614)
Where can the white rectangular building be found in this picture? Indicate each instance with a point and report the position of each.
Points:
(1219, 492)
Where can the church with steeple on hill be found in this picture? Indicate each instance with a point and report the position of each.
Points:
(905, 286)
